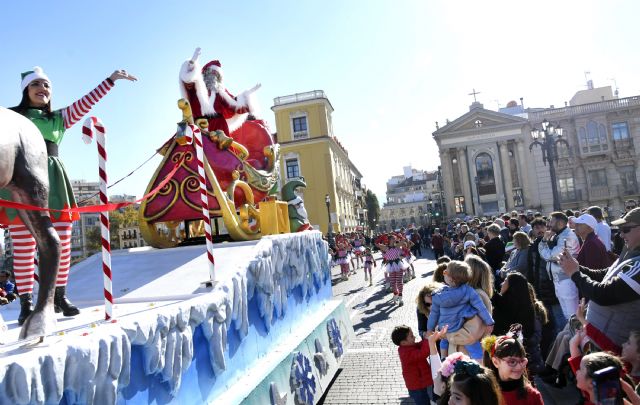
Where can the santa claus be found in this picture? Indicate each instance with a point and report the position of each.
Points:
(209, 99)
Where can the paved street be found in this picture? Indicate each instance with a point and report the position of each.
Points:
(371, 372)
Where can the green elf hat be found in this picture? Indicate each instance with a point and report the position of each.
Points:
(31, 75)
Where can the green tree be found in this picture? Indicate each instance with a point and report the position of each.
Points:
(121, 219)
(373, 208)
(94, 240)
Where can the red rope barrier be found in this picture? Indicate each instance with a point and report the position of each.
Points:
(95, 208)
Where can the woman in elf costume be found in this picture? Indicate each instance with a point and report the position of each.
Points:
(36, 106)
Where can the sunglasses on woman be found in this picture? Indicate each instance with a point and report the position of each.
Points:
(627, 229)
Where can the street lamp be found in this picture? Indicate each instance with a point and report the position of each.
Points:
(430, 211)
(548, 139)
(327, 201)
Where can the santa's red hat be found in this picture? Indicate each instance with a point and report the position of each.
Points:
(213, 65)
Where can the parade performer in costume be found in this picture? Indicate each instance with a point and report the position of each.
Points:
(394, 265)
(369, 263)
(36, 106)
(209, 99)
(406, 244)
(358, 248)
(352, 256)
(343, 258)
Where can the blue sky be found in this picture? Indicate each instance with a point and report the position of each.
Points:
(390, 69)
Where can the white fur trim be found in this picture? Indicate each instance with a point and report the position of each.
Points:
(236, 122)
(190, 72)
(37, 73)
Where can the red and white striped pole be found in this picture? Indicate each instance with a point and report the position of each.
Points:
(91, 125)
(197, 135)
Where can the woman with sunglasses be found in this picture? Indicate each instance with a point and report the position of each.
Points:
(614, 292)
(505, 355)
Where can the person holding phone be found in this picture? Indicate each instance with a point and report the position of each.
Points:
(614, 292)
(597, 377)
(556, 240)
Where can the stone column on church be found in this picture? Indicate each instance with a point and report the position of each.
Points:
(447, 182)
(506, 172)
(524, 174)
(466, 185)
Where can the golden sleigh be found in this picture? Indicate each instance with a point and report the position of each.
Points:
(242, 177)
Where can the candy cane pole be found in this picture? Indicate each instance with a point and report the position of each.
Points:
(91, 125)
(197, 135)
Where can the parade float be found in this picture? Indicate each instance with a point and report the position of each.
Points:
(249, 321)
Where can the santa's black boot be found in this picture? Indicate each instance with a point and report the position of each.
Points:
(25, 307)
(61, 301)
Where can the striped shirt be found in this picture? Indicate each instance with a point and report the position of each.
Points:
(80, 108)
(393, 254)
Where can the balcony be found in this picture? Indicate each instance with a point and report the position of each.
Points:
(601, 192)
(627, 190)
(298, 97)
(600, 106)
(594, 150)
(570, 196)
(624, 148)
(300, 135)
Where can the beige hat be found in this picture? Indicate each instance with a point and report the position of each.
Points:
(632, 217)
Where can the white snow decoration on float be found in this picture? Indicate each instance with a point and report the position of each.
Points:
(91, 369)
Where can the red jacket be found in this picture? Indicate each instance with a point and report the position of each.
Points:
(533, 397)
(593, 254)
(415, 368)
(437, 242)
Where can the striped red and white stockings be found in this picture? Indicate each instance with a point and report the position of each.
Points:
(24, 251)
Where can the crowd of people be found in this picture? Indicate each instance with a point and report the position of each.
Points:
(520, 298)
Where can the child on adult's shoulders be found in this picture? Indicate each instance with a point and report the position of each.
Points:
(460, 307)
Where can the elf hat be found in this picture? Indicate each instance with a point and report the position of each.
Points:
(31, 75)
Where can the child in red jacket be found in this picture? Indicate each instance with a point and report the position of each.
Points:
(415, 368)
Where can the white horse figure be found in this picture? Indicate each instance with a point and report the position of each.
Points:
(23, 171)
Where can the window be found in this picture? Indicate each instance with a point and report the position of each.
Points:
(593, 138)
(598, 178)
(299, 126)
(628, 179)
(566, 188)
(459, 204)
(620, 130)
(485, 179)
(293, 168)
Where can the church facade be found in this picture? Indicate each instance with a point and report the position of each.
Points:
(489, 166)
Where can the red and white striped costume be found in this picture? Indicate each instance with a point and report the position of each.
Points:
(24, 244)
(24, 248)
(80, 108)
(394, 266)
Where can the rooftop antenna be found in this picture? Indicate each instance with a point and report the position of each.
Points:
(615, 85)
(589, 81)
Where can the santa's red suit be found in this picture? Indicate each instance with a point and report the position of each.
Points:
(224, 111)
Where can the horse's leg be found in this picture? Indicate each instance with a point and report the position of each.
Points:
(29, 188)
